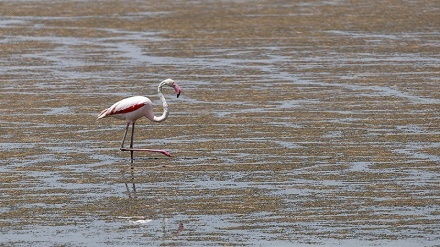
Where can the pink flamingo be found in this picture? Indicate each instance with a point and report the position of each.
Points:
(132, 108)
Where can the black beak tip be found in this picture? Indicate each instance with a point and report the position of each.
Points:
(178, 95)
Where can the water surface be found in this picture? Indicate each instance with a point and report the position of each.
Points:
(300, 124)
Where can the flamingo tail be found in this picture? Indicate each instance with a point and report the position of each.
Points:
(103, 114)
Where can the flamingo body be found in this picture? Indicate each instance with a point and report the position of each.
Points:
(130, 109)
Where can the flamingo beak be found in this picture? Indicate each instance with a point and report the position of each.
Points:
(177, 89)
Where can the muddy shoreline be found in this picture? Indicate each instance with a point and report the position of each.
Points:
(304, 123)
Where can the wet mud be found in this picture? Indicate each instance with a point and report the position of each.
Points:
(300, 123)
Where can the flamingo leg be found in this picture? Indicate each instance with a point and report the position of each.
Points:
(123, 137)
(131, 149)
(131, 142)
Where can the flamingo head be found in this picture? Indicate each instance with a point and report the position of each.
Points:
(171, 83)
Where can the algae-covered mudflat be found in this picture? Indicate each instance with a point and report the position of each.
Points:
(300, 123)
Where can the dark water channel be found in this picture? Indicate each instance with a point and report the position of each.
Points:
(301, 123)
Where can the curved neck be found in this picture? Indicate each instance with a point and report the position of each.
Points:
(164, 104)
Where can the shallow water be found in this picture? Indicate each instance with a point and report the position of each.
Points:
(300, 124)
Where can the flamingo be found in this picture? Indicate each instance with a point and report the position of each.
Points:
(132, 108)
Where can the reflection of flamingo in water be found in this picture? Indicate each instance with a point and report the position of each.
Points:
(133, 108)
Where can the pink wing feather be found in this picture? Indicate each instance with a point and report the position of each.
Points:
(124, 106)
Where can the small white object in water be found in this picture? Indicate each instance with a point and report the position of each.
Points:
(136, 219)
(140, 221)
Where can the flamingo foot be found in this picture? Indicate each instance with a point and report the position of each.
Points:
(148, 150)
(165, 153)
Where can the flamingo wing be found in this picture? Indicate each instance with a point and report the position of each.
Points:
(125, 106)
